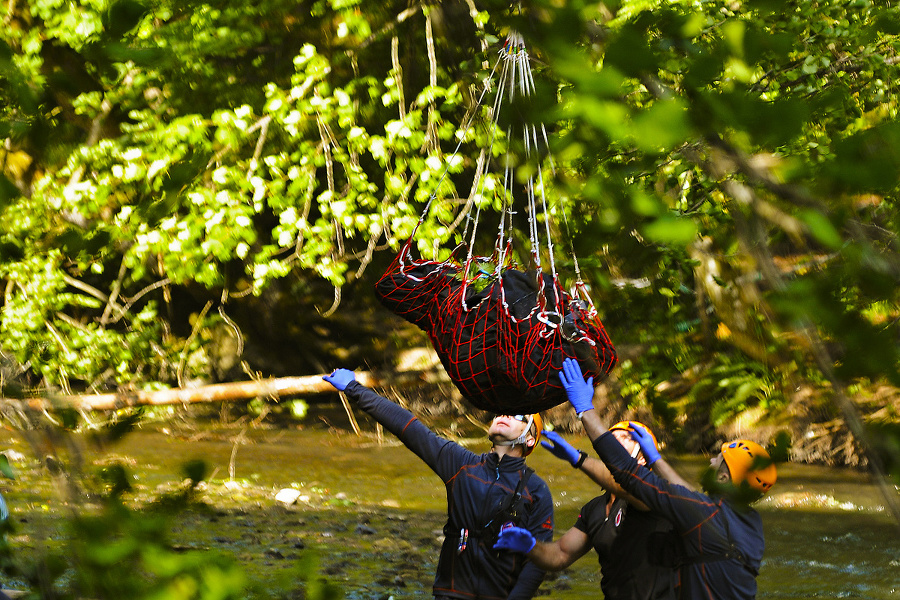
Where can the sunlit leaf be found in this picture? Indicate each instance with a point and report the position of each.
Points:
(6, 468)
(645, 204)
(670, 230)
(733, 32)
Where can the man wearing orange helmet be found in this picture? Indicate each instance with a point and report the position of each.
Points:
(615, 524)
(485, 492)
(718, 546)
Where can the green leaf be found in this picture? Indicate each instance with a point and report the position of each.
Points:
(123, 16)
(8, 192)
(644, 204)
(764, 44)
(822, 229)
(662, 126)
(780, 448)
(766, 6)
(117, 479)
(631, 54)
(733, 32)
(705, 69)
(866, 161)
(888, 22)
(670, 230)
(196, 470)
(6, 468)
(770, 123)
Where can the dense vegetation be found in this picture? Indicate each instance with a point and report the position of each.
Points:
(206, 191)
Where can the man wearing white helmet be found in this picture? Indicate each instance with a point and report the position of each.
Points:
(485, 492)
(718, 543)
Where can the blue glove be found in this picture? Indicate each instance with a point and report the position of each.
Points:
(579, 391)
(340, 378)
(648, 446)
(515, 539)
(559, 447)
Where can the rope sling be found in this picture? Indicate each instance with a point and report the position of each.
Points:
(502, 335)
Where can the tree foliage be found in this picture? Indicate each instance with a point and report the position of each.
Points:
(728, 172)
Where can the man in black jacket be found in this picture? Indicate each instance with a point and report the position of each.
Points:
(485, 492)
(719, 543)
(616, 525)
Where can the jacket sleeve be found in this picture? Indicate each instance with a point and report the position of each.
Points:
(528, 582)
(540, 524)
(683, 507)
(440, 454)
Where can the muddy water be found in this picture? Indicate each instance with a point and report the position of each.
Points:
(373, 512)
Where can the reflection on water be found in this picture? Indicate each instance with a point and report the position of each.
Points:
(827, 533)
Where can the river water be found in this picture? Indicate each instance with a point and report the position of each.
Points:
(373, 512)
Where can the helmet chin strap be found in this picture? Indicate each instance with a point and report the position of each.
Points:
(519, 440)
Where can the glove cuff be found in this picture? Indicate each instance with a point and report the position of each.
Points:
(582, 456)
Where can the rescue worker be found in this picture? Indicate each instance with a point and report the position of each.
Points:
(718, 543)
(615, 524)
(485, 492)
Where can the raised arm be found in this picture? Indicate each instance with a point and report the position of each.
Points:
(581, 393)
(581, 397)
(667, 472)
(592, 467)
(651, 454)
(440, 454)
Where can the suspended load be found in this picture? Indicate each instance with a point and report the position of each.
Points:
(502, 335)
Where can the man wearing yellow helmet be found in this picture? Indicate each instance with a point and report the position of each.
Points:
(615, 524)
(719, 544)
(485, 492)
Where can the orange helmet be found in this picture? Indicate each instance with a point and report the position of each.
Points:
(750, 462)
(626, 426)
(535, 429)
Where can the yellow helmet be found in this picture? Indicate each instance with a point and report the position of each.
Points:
(750, 462)
(626, 426)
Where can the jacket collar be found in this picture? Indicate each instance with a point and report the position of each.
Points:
(506, 463)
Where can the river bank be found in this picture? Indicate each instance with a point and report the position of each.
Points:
(371, 514)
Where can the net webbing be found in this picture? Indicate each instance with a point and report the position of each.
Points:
(504, 344)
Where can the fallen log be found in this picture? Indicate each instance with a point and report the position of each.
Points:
(219, 392)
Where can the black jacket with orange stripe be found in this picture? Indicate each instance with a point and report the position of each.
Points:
(477, 485)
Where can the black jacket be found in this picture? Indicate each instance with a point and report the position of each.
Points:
(719, 546)
(476, 484)
(621, 540)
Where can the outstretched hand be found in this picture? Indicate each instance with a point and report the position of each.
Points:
(559, 447)
(516, 539)
(579, 391)
(645, 441)
(340, 378)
